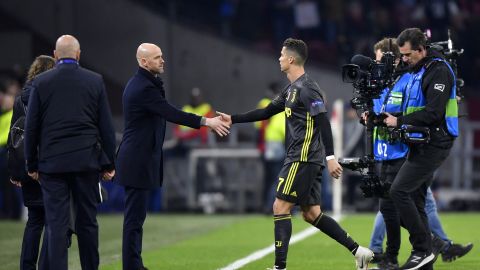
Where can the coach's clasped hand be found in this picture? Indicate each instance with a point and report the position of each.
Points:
(218, 125)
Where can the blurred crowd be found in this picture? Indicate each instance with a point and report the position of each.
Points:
(334, 30)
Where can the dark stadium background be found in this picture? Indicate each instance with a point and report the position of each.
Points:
(229, 49)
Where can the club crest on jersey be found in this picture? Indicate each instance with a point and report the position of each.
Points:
(294, 93)
(438, 86)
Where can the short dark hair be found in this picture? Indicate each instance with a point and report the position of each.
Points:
(413, 35)
(387, 45)
(299, 47)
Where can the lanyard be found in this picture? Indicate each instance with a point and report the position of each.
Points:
(385, 100)
(67, 61)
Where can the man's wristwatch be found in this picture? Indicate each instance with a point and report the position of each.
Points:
(203, 121)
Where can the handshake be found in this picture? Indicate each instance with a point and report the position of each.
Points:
(220, 124)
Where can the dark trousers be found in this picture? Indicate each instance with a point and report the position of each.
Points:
(135, 214)
(10, 202)
(57, 189)
(389, 171)
(409, 190)
(31, 241)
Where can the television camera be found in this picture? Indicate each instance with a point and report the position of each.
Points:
(369, 79)
(451, 54)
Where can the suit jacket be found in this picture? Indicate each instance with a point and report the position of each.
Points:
(145, 111)
(69, 120)
(31, 190)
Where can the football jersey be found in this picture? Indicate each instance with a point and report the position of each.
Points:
(302, 101)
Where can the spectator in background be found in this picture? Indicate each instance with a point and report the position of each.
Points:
(10, 200)
(282, 19)
(189, 137)
(307, 19)
(67, 145)
(271, 143)
(32, 192)
(227, 11)
(440, 14)
(260, 126)
(186, 139)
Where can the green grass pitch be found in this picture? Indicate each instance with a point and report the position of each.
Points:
(202, 242)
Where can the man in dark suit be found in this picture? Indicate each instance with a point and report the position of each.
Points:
(140, 156)
(69, 141)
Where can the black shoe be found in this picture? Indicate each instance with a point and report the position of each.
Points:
(456, 251)
(377, 257)
(438, 246)
(388, 264)
(417, 260)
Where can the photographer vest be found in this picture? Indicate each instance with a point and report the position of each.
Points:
(415, 100)
(390, 101)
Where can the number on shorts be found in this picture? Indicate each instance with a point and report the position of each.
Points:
(280, 181)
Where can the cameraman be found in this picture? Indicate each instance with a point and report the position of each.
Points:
(391, 154)
(429, 102)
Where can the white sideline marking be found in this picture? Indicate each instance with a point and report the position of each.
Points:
(257, 255)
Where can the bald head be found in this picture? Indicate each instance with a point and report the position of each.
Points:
(149, 57)
(146, 50)
(67, 46)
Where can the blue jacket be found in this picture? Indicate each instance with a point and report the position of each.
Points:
(416, 100)
(145, 111)
(69, 121)
(390, 101)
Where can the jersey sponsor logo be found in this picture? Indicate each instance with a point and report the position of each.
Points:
(440, 87)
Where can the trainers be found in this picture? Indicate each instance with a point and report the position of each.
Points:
(388, 263)
(438, 245)
(456, 251)
(377, 257)
(417, 260)
(275, 268)
(363, 256)
(388, 266)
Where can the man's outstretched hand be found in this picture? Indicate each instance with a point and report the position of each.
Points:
(225, 117)
(221, 127)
